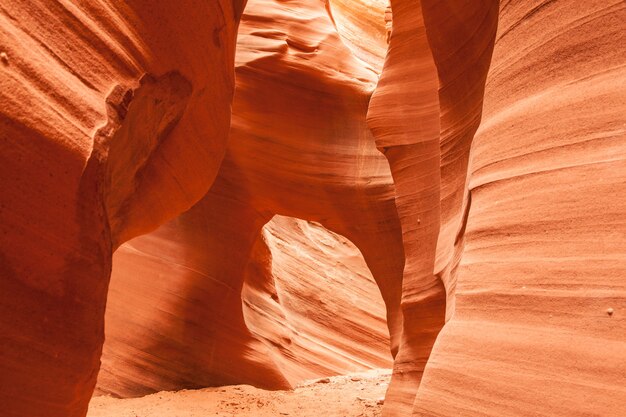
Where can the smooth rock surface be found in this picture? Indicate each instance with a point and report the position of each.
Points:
(545, 252)
(466, 184)
(307, 306)
(70, 98)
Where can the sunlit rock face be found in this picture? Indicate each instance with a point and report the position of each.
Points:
(176, 319)
(453, 200)
(530, 309)
(319, 317)
(361, 26)
(299, 147)
(538, 326)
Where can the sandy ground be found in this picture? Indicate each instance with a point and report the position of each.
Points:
(354, 395)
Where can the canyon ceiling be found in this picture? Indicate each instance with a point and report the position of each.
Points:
(264, 192)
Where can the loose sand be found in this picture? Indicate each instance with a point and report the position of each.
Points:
(354, 395)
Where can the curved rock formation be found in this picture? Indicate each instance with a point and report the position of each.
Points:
(538, 326)
(115, 118)
(424, 113)
(404, 117)
(322, 297)
(309, 135)
(188, 329)
(299, 147)
(91, 156)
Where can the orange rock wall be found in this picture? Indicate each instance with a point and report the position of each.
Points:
(299, 147)
(116, 118)
(176, 318)
(545, 238)
(424, 113)
(70, 94)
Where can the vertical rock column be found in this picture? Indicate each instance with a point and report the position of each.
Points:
(461, 36)
(404, 117)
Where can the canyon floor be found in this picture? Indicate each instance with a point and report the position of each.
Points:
(353, 395)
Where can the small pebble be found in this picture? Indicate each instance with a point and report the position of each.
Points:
(4, 57)
(380, 401)
(610, 311)
(323, 381)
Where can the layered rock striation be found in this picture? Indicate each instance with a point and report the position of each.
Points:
(536, 328)
(453, 201)
(299, 147)
(114, 119)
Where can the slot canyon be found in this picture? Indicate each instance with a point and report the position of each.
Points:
(342, 208)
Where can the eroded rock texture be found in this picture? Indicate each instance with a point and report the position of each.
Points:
(544, 258)
(306, 314)
(90, 157)
(299, 147)
(496, 256)
(424, 113)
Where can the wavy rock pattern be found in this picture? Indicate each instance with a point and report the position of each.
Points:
(331, 313)
(424, 113)
(71, 188)
(544, 253)
(499, 252)
(360, 26)
(299, 320)
(299, 147)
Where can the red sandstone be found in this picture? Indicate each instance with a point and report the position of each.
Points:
(197, 194)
